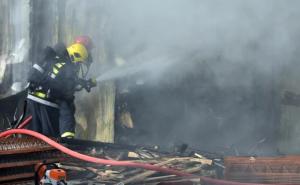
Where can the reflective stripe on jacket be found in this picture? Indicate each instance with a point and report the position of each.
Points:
(42, 101)
(38, 94)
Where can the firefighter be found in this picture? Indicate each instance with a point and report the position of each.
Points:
(67, 108)
(52, 84)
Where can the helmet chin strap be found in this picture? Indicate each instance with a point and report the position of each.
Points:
(84, 73)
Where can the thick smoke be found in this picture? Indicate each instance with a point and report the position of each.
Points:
(205, 72)
(261, 34)
(239, 47)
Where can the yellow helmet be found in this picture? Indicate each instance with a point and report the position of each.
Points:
(78, 53)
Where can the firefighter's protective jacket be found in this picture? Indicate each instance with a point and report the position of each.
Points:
(54, 78)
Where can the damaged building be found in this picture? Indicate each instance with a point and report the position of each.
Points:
(188, 92)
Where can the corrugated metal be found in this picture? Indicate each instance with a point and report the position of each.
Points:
(285, 169)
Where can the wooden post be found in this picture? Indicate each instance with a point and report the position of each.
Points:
(95, 110)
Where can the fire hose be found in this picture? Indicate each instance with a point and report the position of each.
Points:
(25, 122)
(204, 180)
(87, 158)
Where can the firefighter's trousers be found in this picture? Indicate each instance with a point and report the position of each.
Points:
(45, 119)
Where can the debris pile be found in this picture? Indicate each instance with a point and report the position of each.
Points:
(197, 164)
(20, 155)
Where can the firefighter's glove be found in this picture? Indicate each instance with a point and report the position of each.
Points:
(89, 84)
(32, 86)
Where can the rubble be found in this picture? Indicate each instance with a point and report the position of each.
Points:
(194, 164)
(24, 153)
(18, 157)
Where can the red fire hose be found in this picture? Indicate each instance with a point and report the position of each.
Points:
(72, 153)
(25, 122)
(93, 159)
(204, 180)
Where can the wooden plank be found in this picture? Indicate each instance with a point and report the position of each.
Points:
(141, 176)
